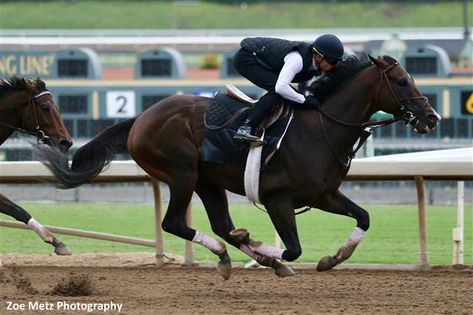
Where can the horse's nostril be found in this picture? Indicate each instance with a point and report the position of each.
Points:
(433, 117)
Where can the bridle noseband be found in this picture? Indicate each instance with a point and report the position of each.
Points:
(38, 133)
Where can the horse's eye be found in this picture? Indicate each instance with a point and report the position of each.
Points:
(402, 82)
(45, 109)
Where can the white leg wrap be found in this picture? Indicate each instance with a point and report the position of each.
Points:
(356, 237)
(269, 251)
(209, 242)
(40, 230)
(247, 250)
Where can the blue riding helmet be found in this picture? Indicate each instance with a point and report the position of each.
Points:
(329, 46)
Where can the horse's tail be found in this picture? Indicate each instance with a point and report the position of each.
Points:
(90, 159)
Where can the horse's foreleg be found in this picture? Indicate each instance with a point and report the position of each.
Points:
(20, 214)
(339, 204)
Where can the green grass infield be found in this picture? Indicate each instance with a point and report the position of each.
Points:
(392, 239)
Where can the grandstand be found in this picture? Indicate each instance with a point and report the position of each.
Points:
(120, 74)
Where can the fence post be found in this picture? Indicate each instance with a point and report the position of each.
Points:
(158, 219)
(458, 230)
(423, 254)
(189, 252)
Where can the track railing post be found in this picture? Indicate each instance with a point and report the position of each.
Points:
(458, 231)
(158, 219)
(423, 253)
(189, 251)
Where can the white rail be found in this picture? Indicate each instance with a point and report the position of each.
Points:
(455, 164)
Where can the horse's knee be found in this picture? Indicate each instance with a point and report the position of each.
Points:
(172, 227)
(363, 220)
(291, 254)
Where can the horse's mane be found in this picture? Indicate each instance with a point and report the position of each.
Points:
(330, 81)
(15, 83)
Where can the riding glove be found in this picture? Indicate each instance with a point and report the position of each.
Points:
(311, 102)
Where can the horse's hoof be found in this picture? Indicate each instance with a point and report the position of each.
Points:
(224, 266)
(241, 236)
(225, 270)
(326, 263)
(62, 250)
(282, 270)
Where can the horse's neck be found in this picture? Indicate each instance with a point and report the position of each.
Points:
(10, 105)
(352, 103)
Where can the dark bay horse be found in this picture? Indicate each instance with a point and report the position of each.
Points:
(27, 106)
(165, 141)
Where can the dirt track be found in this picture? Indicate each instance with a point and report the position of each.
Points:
(173, 289)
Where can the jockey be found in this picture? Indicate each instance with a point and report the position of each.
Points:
(273, 64)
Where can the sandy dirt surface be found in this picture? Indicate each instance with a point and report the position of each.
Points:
(141, 288)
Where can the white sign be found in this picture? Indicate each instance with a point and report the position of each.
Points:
(121, 104)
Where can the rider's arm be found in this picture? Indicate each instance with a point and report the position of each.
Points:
(292, 65)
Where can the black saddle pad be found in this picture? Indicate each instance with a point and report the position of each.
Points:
(223, 119)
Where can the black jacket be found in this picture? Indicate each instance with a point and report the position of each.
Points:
(270, 52)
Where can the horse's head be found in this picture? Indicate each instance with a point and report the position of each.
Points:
(398, 94)
(40, 115)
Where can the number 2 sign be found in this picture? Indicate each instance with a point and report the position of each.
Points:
(121, 104)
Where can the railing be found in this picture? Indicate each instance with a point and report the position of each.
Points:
(453, 164)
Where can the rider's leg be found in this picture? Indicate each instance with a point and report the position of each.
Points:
(257, 113)
(252, 69)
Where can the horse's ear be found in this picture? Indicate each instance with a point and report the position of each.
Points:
(389, 59)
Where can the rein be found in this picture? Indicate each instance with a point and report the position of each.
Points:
(38, 133)
(367, 127)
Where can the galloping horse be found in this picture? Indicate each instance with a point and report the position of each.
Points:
(28, 107)
(165, 141)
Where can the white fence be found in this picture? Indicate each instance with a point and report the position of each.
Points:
(456, 164)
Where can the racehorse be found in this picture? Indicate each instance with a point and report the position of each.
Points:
(28, 107)
(165, 141)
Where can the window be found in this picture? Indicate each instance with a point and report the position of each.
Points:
(73, 104)
(156, 67)
(76, 68)
(421, 65)
(148, 100)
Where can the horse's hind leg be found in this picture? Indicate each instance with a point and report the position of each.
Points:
(174, 222)
(20, 214)
(339, 204)
(215, 202)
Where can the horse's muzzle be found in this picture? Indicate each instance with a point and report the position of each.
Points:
(426, 122)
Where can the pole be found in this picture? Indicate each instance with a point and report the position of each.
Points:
(83, 233)
(189, 251)
(466, 32)
(458, 231)
(158, 219)
(423, 254)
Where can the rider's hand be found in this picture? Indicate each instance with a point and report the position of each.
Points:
(311, 102)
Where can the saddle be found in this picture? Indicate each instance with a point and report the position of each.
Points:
(227, 112)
